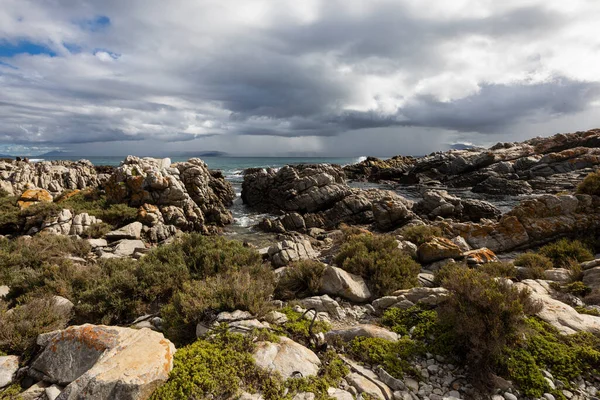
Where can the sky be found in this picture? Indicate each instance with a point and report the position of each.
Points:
(313, 77)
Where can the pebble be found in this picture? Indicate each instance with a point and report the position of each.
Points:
(454, 393)
(548, 396)
(567, 394)
(411, 384)
(434, 368)
(510, 396)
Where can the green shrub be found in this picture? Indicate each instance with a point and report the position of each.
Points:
(11, 392)
(484, 314)
(94, 203)
(419, 234)
(97, 230)
(298, 327)
(379, 261)
(20, 328)
(590, 184)
(248, 289)
(300, 279)
(577, 289)
(217, 368)
(402, 321)
(566, 357)
(10, 218)
(563, 251)
(587, 311)
(394, 356)
(222, 366)
(499, 269)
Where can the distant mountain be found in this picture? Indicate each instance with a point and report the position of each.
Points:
(461, 146)
(55, 153)
(192, 154)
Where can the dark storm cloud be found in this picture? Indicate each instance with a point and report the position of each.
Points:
(145, 70)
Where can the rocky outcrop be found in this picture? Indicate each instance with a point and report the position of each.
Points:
(53, 176)
(34, 196)
(534, 221)
(438, 203)
(295, 248)
(66, 224)
(186, 194)
(438, 249)
(407, 298)
(544, 165)
(316, 196)
(102, 362)
(374, 169)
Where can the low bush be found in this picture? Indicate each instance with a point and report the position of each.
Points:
(10, 219)
(577, 289)
(97, 230)
(379, 261)
(499, 269)
(563, 251)
(587, 311)
(93, 202)
(11, 392)
(298, 327)
(484, 314)
(20, 327)
(419, 234)
(421, 322)
(593, 298)
(248, 289)
(394, 356)
(300, 279)
(541, 346)
(222, 366)
(590, 184)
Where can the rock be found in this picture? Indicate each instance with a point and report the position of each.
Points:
(591, 277)
(287, 358)
(408, 247)
(392, 211)
(34, 196)
(438, 249)
(130, 231)
(390, 381)
(561, 275)
(461, 243)
(304, 396)
(423, 295)
(480, 256)
(290, 250)
(4, 291)
(52, 392)
(374, 169)
(412, 384)
(276, 317)
(558, 314)
(35, 392)
(8, 367)
(534, 221)
(187, 194)
(323, 304)
(337, 282)
(364, 330)
(110, 362)
(364, 385)
(438, 203)
(96, 243)
(339, 394)
(63, 305)
(502, 186)
(125, 248)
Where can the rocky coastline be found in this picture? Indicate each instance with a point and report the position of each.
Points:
(118, 283)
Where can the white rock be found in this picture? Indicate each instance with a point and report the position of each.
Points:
(337, 282)
(286, 357)
(8, 366)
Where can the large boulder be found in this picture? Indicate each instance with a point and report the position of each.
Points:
(103, 362)
(34, 196)
(560, 315)
(337, 282)
(438, 203)
(437, 249)
(187, 194)
(292, 249)
(286, 357)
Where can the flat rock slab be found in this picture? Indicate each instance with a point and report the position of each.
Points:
(365, 330)
(337, 282)
(286, 357)
(8, 366)
(104, 362)
(131, 231)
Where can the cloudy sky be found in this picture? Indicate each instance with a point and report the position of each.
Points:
(266, 77)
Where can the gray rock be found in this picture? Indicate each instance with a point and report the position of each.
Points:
(365, 330)
(126, 248)
(339, 394)
(287, 358)
(131, 231)
(8, 367)
(337, 282)
(364, 385)
(510, 396)
(52, 392)
(290, 250)
(276, 317)
(111, 362)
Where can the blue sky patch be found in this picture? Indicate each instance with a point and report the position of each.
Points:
(24, 47)
(95, 24)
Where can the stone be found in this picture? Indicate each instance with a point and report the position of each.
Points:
(290, 250)
(411, 384)
(125, 247)
(287, 357)
(591, 277)
(408, 247)
(558, 314)
(480, 256)
(390, 381)
(130, 231)
(438, 249)
(339, 394)
(34, 196)
(364, 385)
(364, 330)
(4, 290)
(423, 295)
(96, 243)
(323, 303)
(561, 275)
(63, 305)
(110, 362)
(34, 392)
(52, 392)
(337, 282)
(8, 367)
(461, 243)
(304, 396)
(276, 317)
(510, 396)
